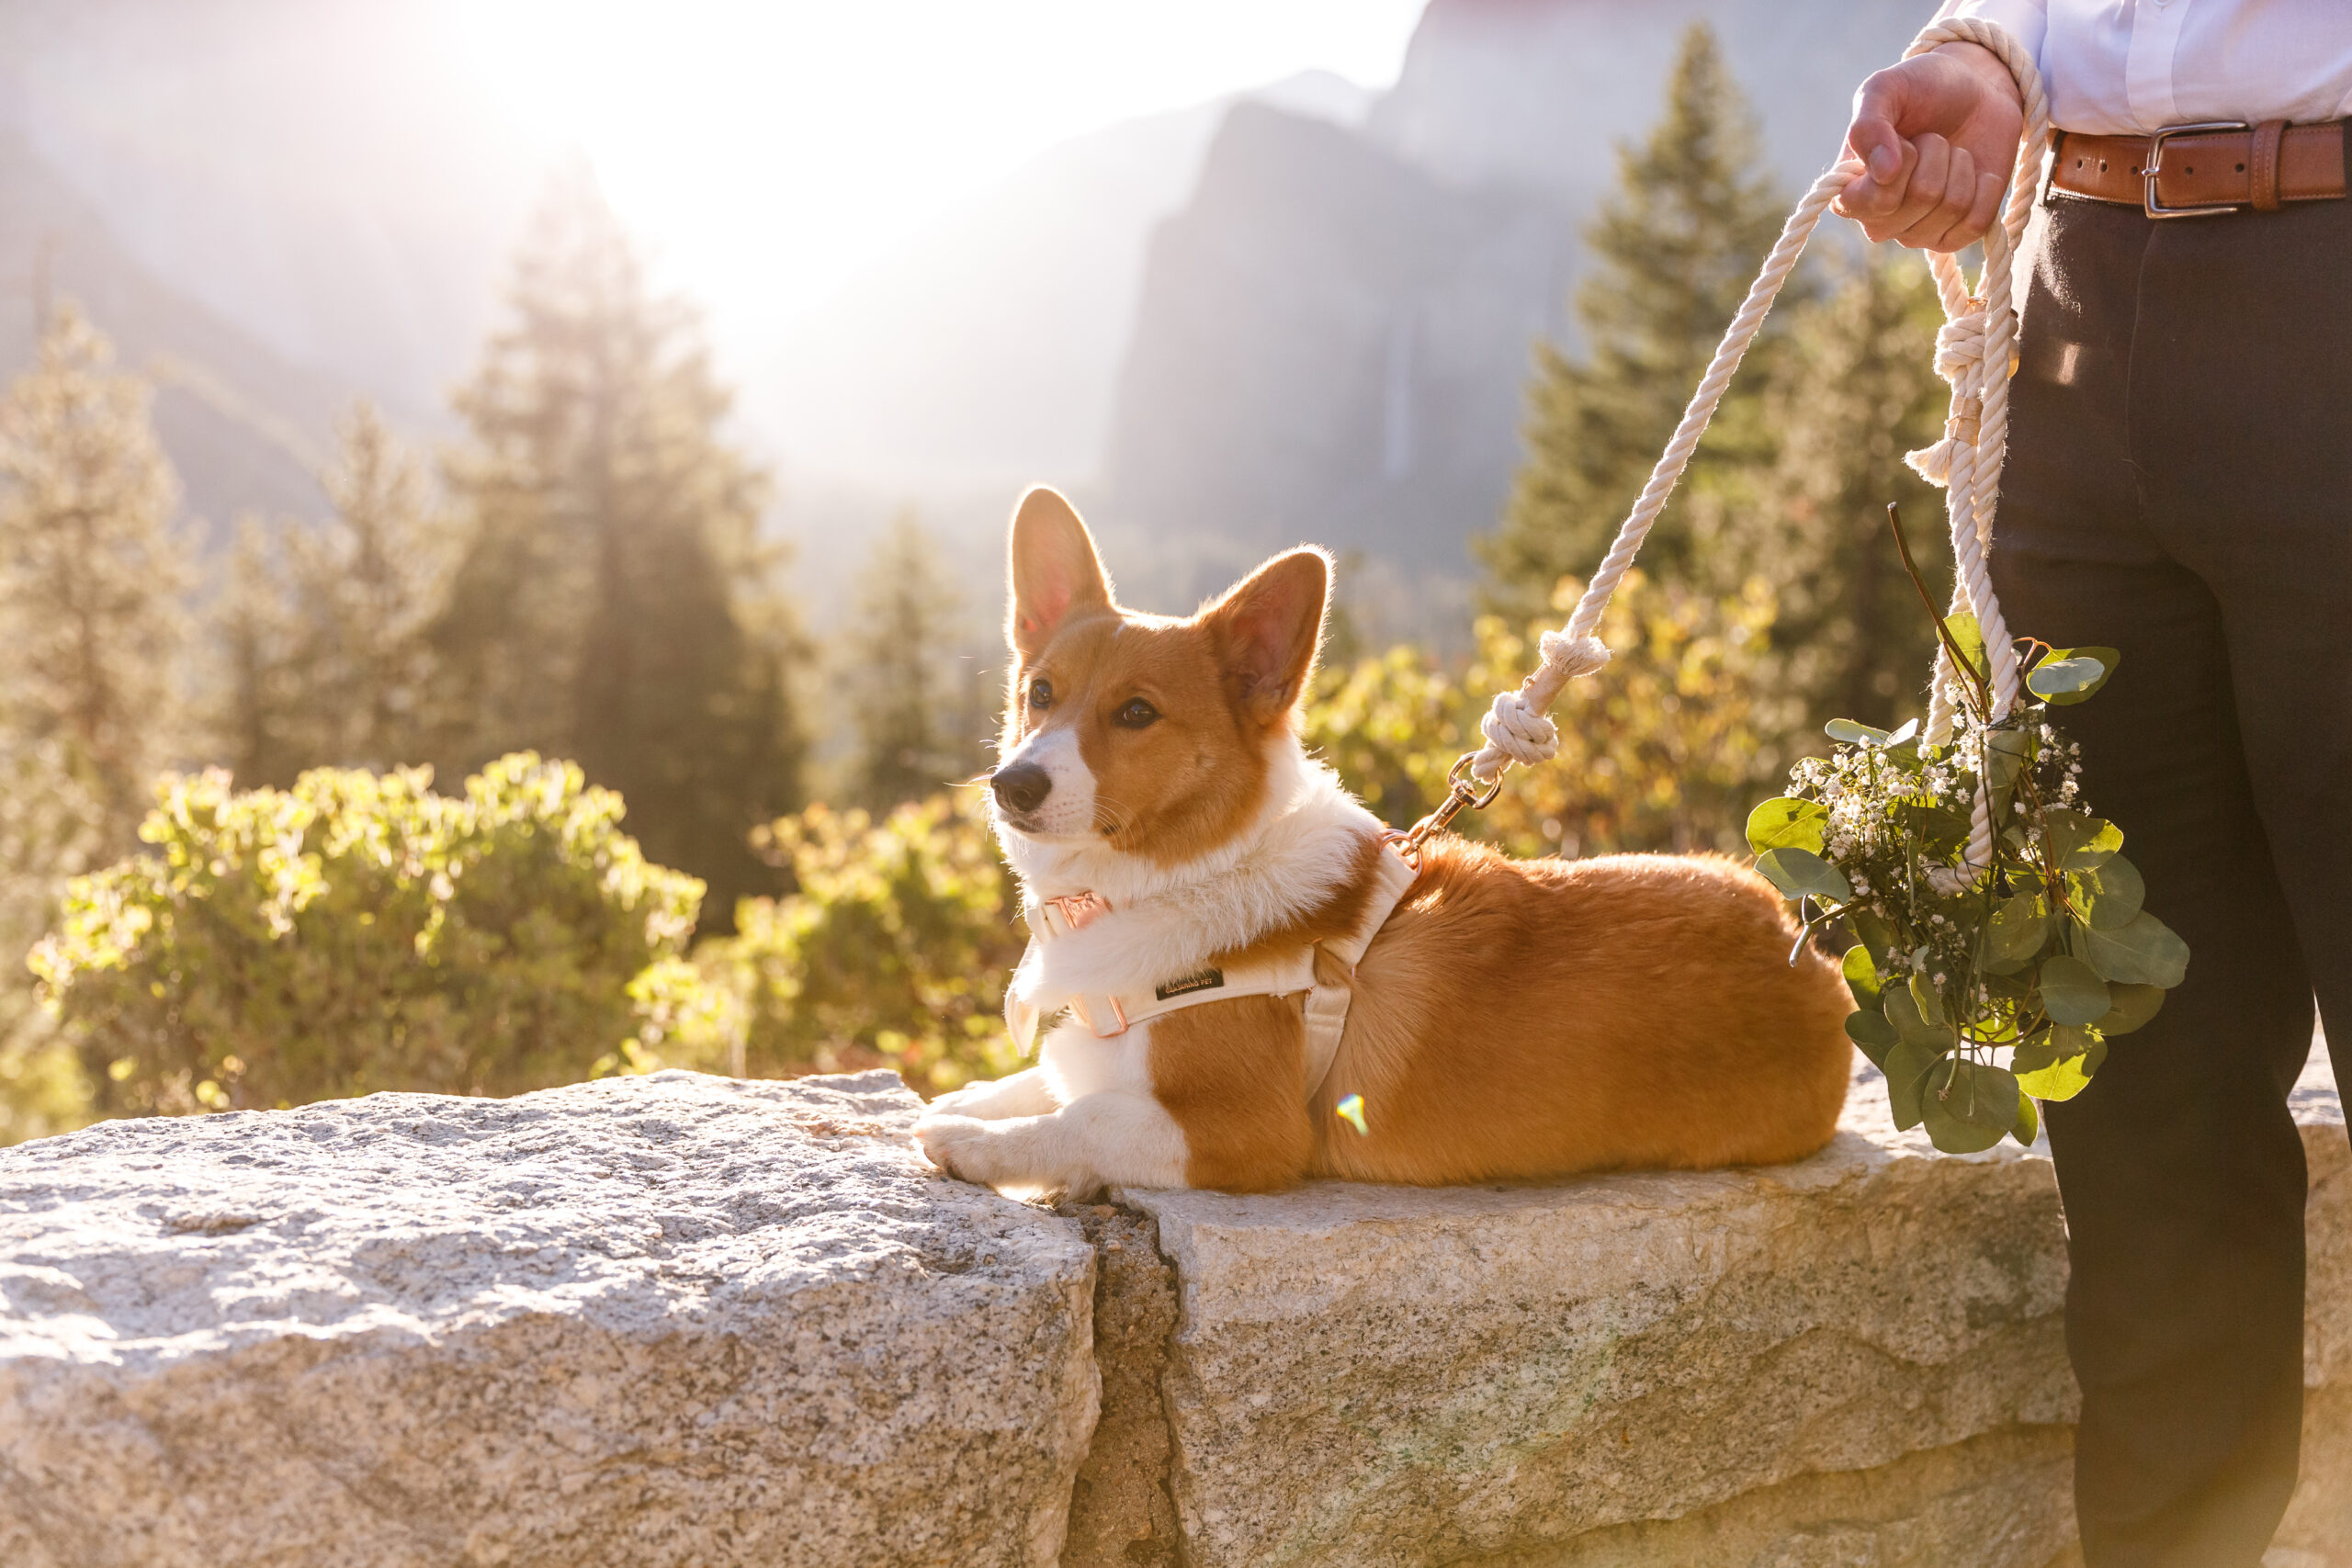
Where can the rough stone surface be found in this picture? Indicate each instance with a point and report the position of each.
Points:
(684, 1320)
(1120, 1515)
(2318, 1520)
(1855, 1359)
(664, 1320)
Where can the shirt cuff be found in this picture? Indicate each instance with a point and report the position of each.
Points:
(2027, 20)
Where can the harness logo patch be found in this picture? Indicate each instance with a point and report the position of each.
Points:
(1207, 980)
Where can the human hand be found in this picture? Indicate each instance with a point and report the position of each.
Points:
(1938, 136)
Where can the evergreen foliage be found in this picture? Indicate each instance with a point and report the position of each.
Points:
(90, 573)
(611, 600)
(1674, 252)
(323, 630)
(256, 681)
(360, 933)
(900, 689)
(1857, 391)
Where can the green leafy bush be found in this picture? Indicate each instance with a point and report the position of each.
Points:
(360, 932)
(1659, 752)
(894, 952)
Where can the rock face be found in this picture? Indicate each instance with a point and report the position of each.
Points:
(1858, 1358)
(1372, 1375)
(681, 1319)
(665, 1320)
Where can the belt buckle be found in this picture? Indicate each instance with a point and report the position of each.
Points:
(2148, 202)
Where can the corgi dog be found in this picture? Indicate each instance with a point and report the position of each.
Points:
(1203, 897)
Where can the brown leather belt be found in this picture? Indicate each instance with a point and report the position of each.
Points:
(2187, 170)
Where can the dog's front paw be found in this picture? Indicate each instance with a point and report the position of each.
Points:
(956, 1144)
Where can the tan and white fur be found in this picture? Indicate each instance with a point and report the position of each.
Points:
(1512, 1020)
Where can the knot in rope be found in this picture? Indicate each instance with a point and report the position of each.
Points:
(1515, 725)
(1517, 728)
(1959, 359)
(1960, 342)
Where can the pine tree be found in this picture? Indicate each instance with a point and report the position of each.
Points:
(611, 601)
(321, 631)
(904, 713)
(1857, 390)
(90, 573)
(254, 690)
(1675, 251)
(365, 590)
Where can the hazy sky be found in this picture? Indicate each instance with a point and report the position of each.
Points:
(766, 150)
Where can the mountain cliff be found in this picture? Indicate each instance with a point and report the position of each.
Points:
(1333, 336)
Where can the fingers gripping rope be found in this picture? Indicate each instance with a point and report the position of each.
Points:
(1972, 352)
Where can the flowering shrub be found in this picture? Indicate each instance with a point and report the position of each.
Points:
(360, 932)
(2045, 955)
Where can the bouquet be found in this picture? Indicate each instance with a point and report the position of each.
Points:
(1979, 989)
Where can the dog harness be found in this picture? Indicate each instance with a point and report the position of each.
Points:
(1285, 974)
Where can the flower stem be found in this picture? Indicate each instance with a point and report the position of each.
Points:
(1975, 686)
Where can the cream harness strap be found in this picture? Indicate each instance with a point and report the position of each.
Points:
(1285, 974)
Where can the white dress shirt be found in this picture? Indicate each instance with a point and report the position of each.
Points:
(2129, 67)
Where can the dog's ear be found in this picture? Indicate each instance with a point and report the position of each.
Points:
(1267, 630)
(1052, 569)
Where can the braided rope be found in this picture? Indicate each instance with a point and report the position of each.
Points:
(1972, 352)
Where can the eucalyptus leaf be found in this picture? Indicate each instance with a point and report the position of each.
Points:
(1987, 1096)
(1853, 733)
(1971, 637)
(1904, 1013)
(1801, 873)
(1939, 830)
(2107, 658)
(2078, 842)
(1786, 823)
(2142, 952)
(1874, 1034)
(2058, 1063)
(1872, 934)
(1957, 1110)
(1861, 976)
(1907, 1068)
(2108, 896)
(2003, 987)
(1926, 997)
(2007, 754)
(2029, 1126)
(2134, 1005)
(2076, 676)
(2071, 991)
(2017, 931)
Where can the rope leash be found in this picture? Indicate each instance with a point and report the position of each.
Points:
(1973, 352)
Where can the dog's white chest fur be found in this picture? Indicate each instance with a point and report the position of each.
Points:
(1169, 921)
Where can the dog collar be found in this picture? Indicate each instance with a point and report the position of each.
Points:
(1284, 973)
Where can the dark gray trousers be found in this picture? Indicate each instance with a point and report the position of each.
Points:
(2179, 488)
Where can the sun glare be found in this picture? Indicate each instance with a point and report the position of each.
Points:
(767, 151)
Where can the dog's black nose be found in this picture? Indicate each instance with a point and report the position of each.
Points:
(1022, 788)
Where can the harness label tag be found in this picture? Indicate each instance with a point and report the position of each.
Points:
(1207, 980)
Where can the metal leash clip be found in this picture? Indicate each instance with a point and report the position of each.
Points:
(1462, 793)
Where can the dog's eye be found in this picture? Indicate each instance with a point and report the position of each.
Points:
(1041, 692)
(1135, 714)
